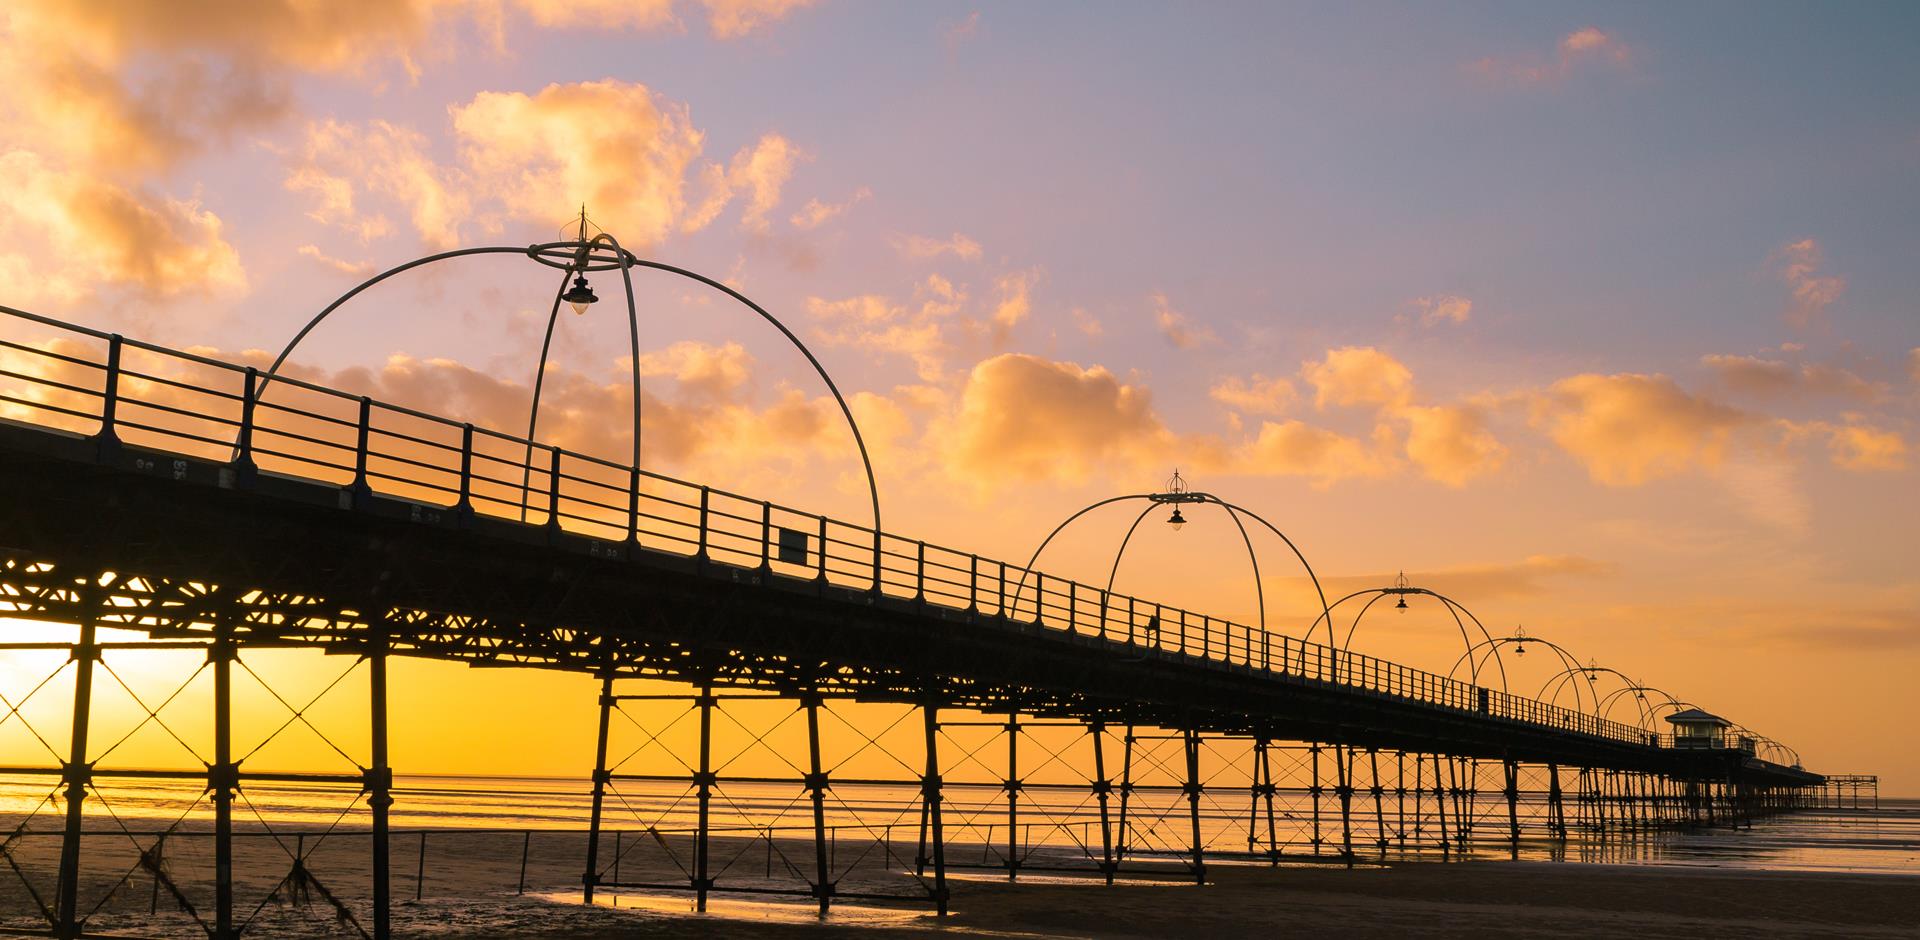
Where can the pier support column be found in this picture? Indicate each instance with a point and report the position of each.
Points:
(930, 795)
(592, 876)
(1314, 752)
(1440, 803)
(1192, 741)
(1102, 791)
(379, 778)
(1379, 812)
(1343, 780)
(1267, 789)
(817, 785)
(1012, 786)
(703, 796)
(77, 773)
(1121, 832)
(1513, 803)
(224, 775)
(1556, 809)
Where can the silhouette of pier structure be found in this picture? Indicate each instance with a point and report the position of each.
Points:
(156, 499)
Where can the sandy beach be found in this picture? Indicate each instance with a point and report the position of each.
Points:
(471, 890)
(1477, 899)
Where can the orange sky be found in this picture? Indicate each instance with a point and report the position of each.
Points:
(1602, 322)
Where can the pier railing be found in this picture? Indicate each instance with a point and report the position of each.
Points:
(121, 391)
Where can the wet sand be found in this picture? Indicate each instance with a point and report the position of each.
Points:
(471, 879)
(1478, 899)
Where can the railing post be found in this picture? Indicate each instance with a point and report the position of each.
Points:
(364, 436)
(706, 498)
(823, 551)
(553, 495)
(633, 508)
(465, 505)
(920, 573)
(973, 584)
(766, 536)
(108, 440)
(243, 466)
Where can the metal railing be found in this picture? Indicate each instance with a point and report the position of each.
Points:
(123, 391)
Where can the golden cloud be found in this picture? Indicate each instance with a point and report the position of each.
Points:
(1451, 444)
(618, 148)
(1583, 45)
(1358, 375)
(920, 246)
(93, 230)
(1628, 428)
(1177, 327)
(1772, 377)
(1024, 417)
(1258, 395)
(1296, 449)
(1799, 265)
(1859, 447)
(816, 213)
(731, 19)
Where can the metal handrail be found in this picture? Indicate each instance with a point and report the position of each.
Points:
(719, 526)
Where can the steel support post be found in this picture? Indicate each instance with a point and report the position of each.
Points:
(817, 785)
(600, 779)
(1556, 811)
(1121, 833)
(1193, 805)
(1400, 796)
(1440, 803)
(77, 772)
(930, 795)
(1379, 812)
(1267, 788)
(1102, 791)
(380, 779)
(224, 774)
(1343, 780)
(703, 796)
(1314, 751)
(1012, 786)
(1513, 803)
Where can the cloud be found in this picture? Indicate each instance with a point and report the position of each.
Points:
(872, 321)
(600, 14)
(1799, 264)
(1859, 447)
(359, 269)
(1257, 394)
(1358, 375)
(341, 161)
(1913, 364)
(707, 371)
(1627, 429)
(82, 230)
(1029, 418)
(1445, 308)
(1774, 378)
(1014, 303)
(1090, 326)
(1583, 46)
(1473, 584)
(920, 246)
(1451, 444)
(816, 213)
(1293, 448)
(623, 151)
(732, 19)
(1177, 328)
(956, 33)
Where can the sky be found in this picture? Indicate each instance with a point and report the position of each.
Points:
(1602, 319)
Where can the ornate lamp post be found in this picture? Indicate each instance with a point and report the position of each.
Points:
(575, 258)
